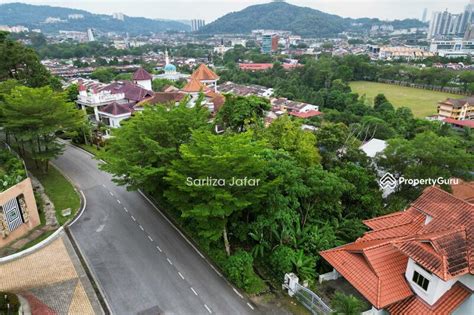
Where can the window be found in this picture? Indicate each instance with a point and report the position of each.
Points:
(420, 280)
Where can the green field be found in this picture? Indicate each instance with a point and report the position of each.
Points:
(422, 102)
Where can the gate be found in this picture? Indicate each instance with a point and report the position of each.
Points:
(308, 298)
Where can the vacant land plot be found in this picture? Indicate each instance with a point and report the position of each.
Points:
(422, 102)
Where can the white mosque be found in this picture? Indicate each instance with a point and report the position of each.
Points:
(170, 71)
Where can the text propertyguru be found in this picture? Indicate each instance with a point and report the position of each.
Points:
(427, 181)
(221, 182)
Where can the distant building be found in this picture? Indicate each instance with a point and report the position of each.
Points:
(197, 24)
(452, 48)
(457, 109)
(90, 35)
(425, 15)
(118, 16)
(75, 16)
(142, 78)
(444, 24)
(171, 73)
(269, 43)
(402, 52)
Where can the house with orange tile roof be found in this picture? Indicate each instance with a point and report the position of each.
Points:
(205, 76)
(416, 261)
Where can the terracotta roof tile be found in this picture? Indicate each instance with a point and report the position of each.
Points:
(375, 264)
(445, 305)
(203, 73)
(193, 86)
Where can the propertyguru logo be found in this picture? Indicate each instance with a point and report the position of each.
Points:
(390, 181)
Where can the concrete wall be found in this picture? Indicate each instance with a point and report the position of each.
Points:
(26, 189)
(465, 308)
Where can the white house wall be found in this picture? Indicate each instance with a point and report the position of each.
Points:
(436, 288)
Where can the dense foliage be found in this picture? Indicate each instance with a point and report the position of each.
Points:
(31, 117)
(12, 170)
(21, 63)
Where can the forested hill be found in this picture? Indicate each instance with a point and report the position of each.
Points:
(35, 16)
(299, 20)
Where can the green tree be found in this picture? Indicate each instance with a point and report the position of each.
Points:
(144, 146)
(227, 157)
(286, 134)
(239, 111)
(103, 74)
(427, 156)
(21, 63)
(33, 116)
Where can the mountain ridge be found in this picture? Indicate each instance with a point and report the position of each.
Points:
(299, 20)
(34, 16)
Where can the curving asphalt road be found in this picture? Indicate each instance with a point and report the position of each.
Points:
(140, 261)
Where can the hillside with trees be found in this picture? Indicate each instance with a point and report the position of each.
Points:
(34, 17)
(299, 20)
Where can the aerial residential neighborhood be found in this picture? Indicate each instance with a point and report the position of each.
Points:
(237, 157)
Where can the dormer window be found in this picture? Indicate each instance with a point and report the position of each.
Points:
(420, 280)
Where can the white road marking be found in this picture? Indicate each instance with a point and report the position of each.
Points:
(158, 248)
(249, 305)
(126, 210)
(141, 228)
(214, 268)
(194, 291)
(118, 201)
(103, 185)
(101, 227)
(238, 293)
(208, 309)
(133, 218)
(111, 193)
(149, 237)
(169, 261)
(179, 273)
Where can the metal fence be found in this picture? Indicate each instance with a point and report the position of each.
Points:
(311, 300)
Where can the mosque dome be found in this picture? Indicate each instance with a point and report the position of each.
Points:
(170, 68)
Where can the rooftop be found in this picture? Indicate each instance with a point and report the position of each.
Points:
(375, 263)
(203, 73)
(141, 75)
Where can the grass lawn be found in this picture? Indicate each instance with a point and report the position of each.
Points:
(422, 102)
(60, 191)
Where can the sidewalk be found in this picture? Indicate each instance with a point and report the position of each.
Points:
(52, 279)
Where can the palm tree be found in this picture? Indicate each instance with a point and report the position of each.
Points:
(346, 304)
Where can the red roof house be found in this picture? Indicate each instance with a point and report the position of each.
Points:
(416, 261)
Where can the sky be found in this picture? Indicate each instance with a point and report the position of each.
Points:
(210, 10)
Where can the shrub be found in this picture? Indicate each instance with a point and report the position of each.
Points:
(239, 270)
(9, 303)
(281, 260)
(11, 170)
(347, 304)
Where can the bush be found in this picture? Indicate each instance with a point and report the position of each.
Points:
(281, 260)
(12, 170)
(239, 270)
(347, 304)
(11, 300)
